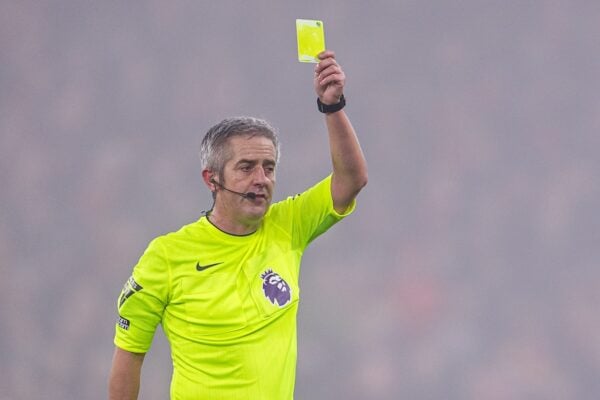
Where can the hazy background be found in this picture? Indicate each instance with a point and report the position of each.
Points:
(470, 268)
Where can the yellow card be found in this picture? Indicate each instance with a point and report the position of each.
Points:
(311, 39)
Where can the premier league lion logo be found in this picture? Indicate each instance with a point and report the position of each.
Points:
(275, 288)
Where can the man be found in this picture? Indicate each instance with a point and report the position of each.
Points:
(225, 288)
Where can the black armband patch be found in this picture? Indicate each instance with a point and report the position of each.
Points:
(131, 287)
(123, 323)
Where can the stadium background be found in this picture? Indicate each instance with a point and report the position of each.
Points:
(470, 269)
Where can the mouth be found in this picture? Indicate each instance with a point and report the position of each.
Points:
(253, 196)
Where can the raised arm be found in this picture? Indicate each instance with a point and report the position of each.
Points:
(124, 381)
(349, 164)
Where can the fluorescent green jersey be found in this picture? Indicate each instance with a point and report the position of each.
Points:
(227, 303)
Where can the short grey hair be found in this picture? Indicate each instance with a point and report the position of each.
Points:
(214, 151)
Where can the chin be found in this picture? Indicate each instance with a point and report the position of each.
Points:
(258, 212)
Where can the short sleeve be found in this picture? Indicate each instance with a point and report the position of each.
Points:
(312, 212)
(142, 301)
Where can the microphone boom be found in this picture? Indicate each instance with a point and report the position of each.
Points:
(247, 195)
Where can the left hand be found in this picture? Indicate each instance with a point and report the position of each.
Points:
(329, 79)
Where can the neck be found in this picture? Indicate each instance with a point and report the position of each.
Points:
(232, 227)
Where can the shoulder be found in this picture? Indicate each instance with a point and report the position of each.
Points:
(187, 231)
(167, 244)
(318, 195)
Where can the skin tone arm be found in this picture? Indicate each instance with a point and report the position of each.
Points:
(124, 381)
(349, 164)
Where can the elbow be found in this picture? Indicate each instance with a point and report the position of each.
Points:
(350, 182)
(360, 181)
(363, 178)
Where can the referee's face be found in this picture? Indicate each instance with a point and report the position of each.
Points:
(251, 168)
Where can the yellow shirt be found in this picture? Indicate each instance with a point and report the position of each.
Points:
(227, 303)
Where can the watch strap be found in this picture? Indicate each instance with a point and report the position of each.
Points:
(331, 108)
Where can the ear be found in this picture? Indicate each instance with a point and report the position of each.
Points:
(207, 177)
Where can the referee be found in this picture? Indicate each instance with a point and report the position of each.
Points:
(225, 288)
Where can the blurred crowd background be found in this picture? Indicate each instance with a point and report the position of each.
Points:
(470, 267)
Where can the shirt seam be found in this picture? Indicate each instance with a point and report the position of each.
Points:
(169, 273)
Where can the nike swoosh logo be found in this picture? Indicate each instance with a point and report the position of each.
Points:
(203, 267)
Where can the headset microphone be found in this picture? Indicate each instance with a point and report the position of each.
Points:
(247, 195)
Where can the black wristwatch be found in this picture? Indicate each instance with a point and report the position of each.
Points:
(331, 108)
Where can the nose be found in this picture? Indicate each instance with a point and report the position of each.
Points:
(260, 177)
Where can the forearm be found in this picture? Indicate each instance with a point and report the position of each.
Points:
(124, 381)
